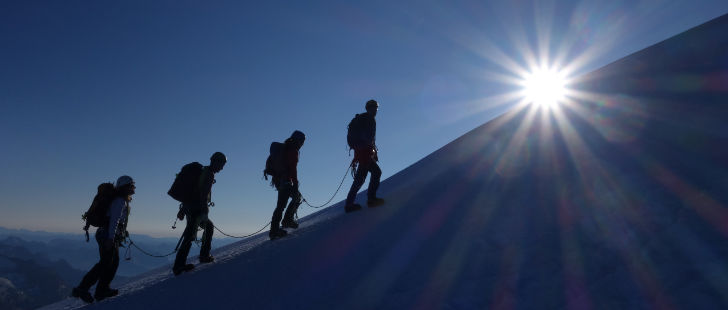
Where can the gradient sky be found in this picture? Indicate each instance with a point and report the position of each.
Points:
(91, 90)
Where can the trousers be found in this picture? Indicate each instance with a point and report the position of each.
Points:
(195, 220)
(105, 270)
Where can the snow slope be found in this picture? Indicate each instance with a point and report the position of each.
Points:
(616, 201)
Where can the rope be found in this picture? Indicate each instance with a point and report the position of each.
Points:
(241, 237)
(127, 254)
(333, 196)
(131, 243)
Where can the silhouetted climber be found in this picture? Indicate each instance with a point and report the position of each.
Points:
(196, 207)
(281, 165)
(108, 236)
(361, 138)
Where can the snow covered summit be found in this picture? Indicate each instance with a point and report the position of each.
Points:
(618, 200)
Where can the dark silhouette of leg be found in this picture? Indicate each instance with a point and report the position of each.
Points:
(108, 271)
(208, 228)
(187, 237)
(284, 191)
(94, 274)
(293, 205)
(359, 178)
(90, 278)
(376, 173)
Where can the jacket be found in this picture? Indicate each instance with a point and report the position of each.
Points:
(291, 164)
(118, 217)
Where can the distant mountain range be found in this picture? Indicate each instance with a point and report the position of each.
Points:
(37, 267)
(83, 255)
(28, 281)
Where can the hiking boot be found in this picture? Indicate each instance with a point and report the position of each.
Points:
(277, 233)
(102, 294)
(178, 270)
(352, 207)
(82, 294)
(375, 202)
(207, 259)
(289, 224)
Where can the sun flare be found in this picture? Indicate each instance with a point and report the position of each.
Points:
(545, 87)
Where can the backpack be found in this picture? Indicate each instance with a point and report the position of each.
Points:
(354, 131)
(96, 214)
(275, 164)
(184, 187)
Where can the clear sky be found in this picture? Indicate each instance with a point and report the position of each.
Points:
(91, 90)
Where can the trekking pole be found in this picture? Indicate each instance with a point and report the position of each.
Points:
(241, 237)
(333, 196)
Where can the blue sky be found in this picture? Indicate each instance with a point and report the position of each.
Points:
(90, 91)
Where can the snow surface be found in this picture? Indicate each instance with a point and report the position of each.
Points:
(616, 202)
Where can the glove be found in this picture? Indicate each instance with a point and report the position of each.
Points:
(180, 215)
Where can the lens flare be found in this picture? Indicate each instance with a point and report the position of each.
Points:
(545, 87)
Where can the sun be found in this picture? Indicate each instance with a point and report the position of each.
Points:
(545, 87)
